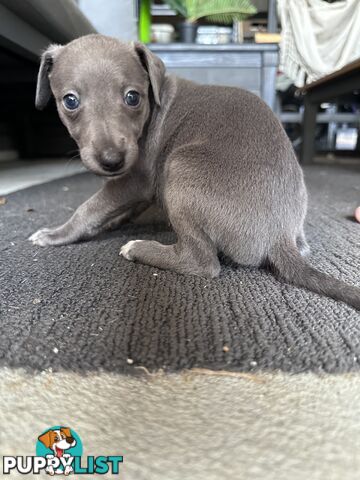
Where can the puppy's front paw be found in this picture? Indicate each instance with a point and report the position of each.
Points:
(68, 470)
(127, 250)
(50, 470)
(43, 237)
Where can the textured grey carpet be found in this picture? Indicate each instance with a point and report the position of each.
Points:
(82, 307)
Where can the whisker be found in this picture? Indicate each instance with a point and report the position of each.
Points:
(77, 155)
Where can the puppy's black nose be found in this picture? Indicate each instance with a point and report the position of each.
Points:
(111, 160)
(69, 440)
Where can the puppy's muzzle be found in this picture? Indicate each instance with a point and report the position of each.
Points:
(111, 160)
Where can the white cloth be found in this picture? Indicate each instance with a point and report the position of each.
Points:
(317, 37)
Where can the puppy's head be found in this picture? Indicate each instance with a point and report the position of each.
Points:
(58, 440)
(104, 91)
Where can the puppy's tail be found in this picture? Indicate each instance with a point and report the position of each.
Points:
(287, 263)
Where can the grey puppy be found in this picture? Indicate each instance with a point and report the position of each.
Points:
(216, 159)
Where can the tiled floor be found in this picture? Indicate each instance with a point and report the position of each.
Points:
(19, 174)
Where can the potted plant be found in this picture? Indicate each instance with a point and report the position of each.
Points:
(187, 28)
(215, 11)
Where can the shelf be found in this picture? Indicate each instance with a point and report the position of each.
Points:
(162, 11)
(230, 47)
(290, 117)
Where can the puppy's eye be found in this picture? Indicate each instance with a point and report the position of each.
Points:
(132, 98)
(71, 102)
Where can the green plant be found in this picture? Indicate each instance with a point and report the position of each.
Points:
(218, 11)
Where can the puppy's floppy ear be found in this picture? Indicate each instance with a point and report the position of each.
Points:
(66, 431)
(154, 67)
(43, 90)
(47, 438)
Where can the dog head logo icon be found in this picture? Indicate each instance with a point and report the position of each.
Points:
(59, 451)
(58, 440)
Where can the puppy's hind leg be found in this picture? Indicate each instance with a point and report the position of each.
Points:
(194, 253)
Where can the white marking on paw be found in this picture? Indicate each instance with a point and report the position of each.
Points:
(126, 249)
(40, 237)
(33, 237)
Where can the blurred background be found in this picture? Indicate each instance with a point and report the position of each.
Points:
(300, 56)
